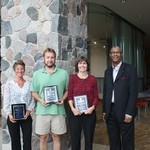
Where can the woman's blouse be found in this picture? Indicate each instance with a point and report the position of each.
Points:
(88, 86)
(13, 94)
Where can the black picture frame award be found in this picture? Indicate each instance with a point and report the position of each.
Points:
(81, 103)
(18, 111)
(51, 94)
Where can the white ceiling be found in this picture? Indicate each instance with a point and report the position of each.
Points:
(136, 12)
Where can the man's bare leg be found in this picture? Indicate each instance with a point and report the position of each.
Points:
(56, 142)
(43, 142)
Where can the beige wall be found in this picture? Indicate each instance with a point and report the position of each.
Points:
(98, 60)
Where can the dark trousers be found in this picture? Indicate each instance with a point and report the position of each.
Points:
(14, 130)
(77, 124)
(121, 134)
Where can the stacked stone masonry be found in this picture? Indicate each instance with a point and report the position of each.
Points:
(29, 26)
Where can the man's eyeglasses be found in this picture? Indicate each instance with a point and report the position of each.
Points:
(113, 53)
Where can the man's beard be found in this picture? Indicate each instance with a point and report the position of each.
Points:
(50, 66)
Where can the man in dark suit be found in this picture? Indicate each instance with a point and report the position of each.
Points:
(119, 101)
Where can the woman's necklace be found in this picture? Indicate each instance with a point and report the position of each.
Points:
(82, 75)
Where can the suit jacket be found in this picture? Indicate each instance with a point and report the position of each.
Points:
(125, 91)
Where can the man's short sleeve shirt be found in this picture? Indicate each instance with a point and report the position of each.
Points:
(41, 79)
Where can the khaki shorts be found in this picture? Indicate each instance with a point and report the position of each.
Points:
(50, 124)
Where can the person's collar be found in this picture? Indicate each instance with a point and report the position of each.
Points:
(118, 66)
(44, 70)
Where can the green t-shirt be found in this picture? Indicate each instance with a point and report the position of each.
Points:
(41, 79)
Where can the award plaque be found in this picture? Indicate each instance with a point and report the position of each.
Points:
(18, 111)
(50, 94)
(81, 103)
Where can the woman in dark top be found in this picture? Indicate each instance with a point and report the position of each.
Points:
(82, 85)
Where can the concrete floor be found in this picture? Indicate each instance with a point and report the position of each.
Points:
(95, 147)
(142, 133)
(142, 130)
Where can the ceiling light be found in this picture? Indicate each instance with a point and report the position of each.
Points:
(123, 1)
(95, 42)
(104, 46)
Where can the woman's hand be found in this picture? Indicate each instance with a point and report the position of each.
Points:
(75, 111)
(28, 113)
(90, 110)
(11, 118)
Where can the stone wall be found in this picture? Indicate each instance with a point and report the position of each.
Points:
(29, 26)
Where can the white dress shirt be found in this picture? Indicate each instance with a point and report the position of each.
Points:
(115, 72)
(13, 94)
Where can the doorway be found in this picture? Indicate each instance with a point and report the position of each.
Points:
(100, 24)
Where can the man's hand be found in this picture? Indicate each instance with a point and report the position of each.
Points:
(60, 102)
(104, 117)
(127, 119)
(43, 102)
